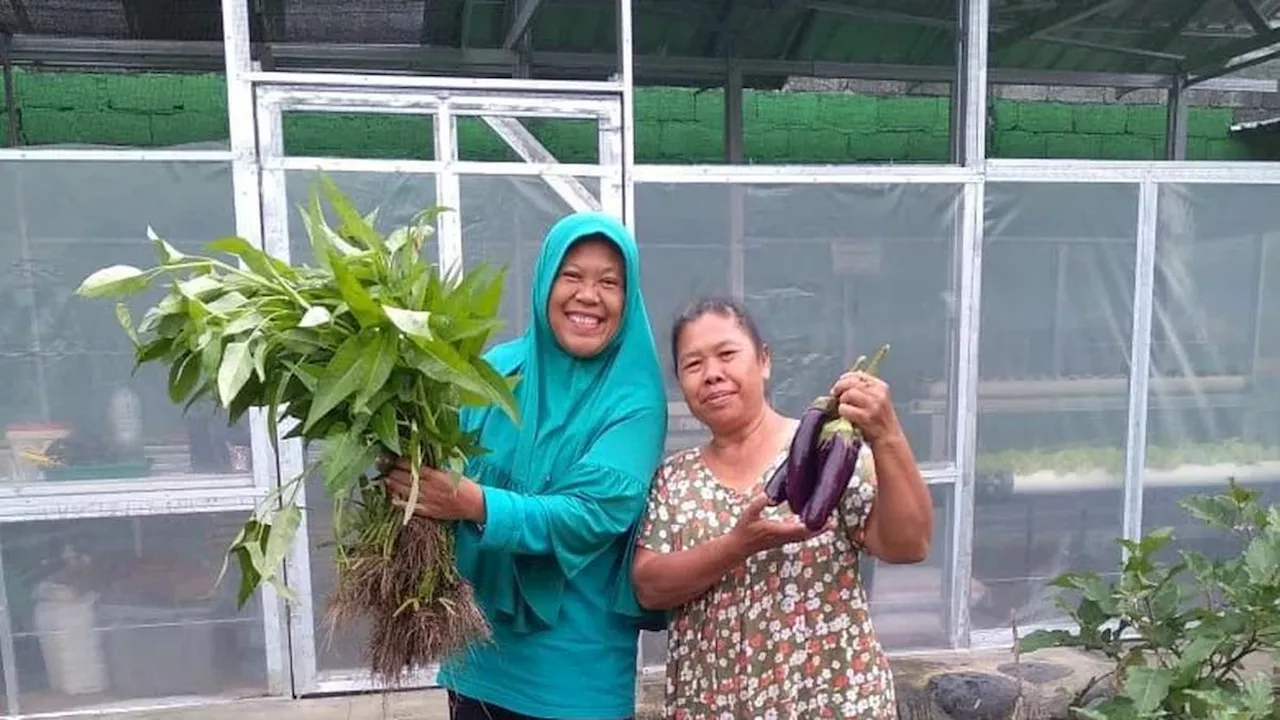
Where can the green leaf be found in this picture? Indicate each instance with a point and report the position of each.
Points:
(1147, 687)
(248, 321)
(1261, 559)
(384, 355)
(342, 460)
(237, 365)
(415, 323)
(258, 262)
(346, 373)
(383, 425)
(183, 375)
(362, 305)
(114, 280)
(350, 223)
(284, 526)
(316, 315)
(168, 253)
(126, 323)
(1041, 639)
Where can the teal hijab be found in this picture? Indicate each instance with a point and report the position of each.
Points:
(565, 403)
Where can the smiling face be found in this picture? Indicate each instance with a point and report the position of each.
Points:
(587, 298)
(722, 372)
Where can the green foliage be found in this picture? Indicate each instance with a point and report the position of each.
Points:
(373, 351)
(1178, 632)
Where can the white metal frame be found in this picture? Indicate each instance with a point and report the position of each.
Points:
(499, 106)
(257, 99)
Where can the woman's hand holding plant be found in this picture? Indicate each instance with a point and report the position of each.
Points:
(865, 401)
(439, 498)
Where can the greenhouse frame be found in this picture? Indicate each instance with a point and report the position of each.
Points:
(1077, 344)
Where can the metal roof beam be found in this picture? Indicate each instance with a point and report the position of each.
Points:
(1256, 60)
(1045, 23)
(520, 23)
(1207, 62)
(1250, 12)
(1162, 40)
(893, 16)
(85, 54)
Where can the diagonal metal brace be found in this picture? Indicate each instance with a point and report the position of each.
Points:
(514, 133)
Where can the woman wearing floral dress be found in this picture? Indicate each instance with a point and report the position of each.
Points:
(768, 619)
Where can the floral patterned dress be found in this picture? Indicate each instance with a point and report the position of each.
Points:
(785, 635)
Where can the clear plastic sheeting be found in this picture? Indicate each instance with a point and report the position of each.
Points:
(397, 197)
(71, 408)
(829, 272)
(1053, 395)
(504, 220)
(113, 612)
(1214, 392)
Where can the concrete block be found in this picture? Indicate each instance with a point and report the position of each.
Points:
(59, 91)
(1209, 122)
(928, 147)
(1045, 117)
(1100, 119)
(1034, 93)
(1074, 146)
(1146, 121)
(847, 113)
(688, 142)
(898, 115)
(1228, 149)
(1005, 114)
(709, 107)
(1020, 145)
(765, 145)
(1129, 147)
(187, 127)
(818, 146)
(648, 141)
(1073, 94)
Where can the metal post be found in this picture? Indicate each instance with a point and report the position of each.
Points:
(1140, 349)
(448, 190)
(627, 77)
(10, 102)
(248, 213)
(1175, 136)
(972, 154)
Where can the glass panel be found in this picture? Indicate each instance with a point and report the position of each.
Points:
(569, 140)
(823, 289)
(908, 602)
(111, 610)
(398, 197)
(1057, 302)
(1214, 400)
(512, 236)
(67, 386)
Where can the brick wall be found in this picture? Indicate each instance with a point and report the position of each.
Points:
(672, 125)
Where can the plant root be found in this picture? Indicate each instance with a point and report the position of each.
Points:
(420, 609)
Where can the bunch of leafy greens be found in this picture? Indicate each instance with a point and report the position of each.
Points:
(1178, 634)
(373, 352)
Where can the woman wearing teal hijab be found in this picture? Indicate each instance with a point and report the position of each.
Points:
(548, 516)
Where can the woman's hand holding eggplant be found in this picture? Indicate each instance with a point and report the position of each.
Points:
(754, 532)
(439, 498)
(865, 401)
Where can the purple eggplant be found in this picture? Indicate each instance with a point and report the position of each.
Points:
(802, 459)
(776, 488)
(839, 464)
(839, 444)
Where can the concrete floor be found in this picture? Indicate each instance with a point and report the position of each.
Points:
(409, 705)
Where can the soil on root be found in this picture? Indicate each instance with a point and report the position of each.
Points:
(420, 609)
